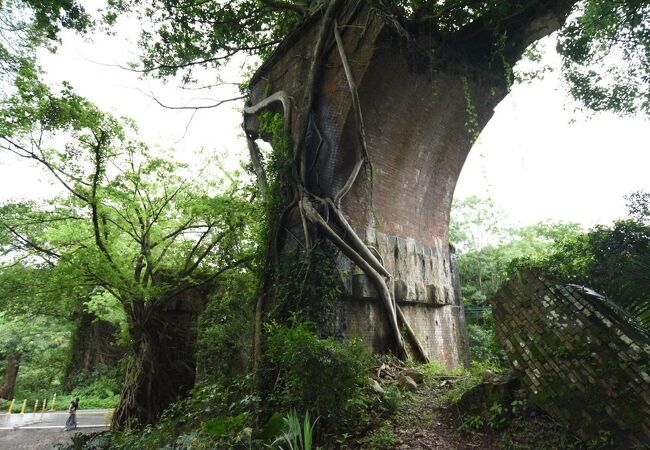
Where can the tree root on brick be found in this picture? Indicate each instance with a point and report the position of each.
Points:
(337, 230)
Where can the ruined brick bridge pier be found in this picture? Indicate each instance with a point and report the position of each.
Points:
(582, 359)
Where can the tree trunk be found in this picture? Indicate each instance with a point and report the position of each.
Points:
(423, 99)
(8, 389)
(162, 362)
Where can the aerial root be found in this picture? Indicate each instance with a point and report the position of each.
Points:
(338, 231)
(280, 96)
(258, 166)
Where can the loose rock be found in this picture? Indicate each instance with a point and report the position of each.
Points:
(407, 382)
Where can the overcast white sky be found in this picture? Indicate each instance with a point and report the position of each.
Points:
(531, 159)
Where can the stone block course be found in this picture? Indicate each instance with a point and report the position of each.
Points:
(425, 288)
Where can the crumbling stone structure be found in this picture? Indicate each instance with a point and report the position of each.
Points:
(432, 308)
(582, 359)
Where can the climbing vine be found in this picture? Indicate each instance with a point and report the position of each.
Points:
(324, 213)
(472, 118)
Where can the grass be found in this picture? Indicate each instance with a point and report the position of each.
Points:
(434, 369)
(61, 404)
(379, 439)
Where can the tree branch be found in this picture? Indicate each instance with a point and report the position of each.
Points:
(28, 154)
(382, 288)
(28, 242)
(195, 108)
(298, 8)
(280, 96)
(93, 198)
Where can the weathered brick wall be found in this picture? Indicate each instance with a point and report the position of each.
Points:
(414, 121)
(582, 361)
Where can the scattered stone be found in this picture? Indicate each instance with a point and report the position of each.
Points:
(390, 370)
(501, 389)
(488, 375)
(414, 374)
(407, 382)
(384, 371)
(375, 386)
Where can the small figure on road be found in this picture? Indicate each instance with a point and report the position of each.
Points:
(71, 423)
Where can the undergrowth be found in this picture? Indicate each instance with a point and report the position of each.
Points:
(307, 376)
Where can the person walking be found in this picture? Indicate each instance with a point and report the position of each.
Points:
(71, 423)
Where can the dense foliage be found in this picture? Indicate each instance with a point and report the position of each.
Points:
(225, 330)
(594, 43)
(310, 374)
(486, 245)
(41, 344)
(135, 233)
(320, 375)
(132, 224)
(26, 25)
(613, 260)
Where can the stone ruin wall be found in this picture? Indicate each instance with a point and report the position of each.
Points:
(582, 362)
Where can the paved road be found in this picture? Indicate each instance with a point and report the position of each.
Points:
(39, 439)
(42, 431)
(88, 418)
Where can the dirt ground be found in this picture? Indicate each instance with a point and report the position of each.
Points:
(426, 422)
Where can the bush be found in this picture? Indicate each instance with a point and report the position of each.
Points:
(381, 438)
(225, 331)
(212, 416)
(92, 441)
(434, 369)
(318, 375)
(98, 387)
(304, 373)
(391, 399)
(483, 345)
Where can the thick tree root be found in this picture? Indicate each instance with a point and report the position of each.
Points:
(280, 96)
(339, 231)
(258, 166)
(382, 287)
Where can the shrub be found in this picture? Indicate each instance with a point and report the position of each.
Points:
(434, 369)
(310, 373)
(213, 416)
(391, 399)
(224, 332)
(483, 345)
(381, 438)
(98, 387)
